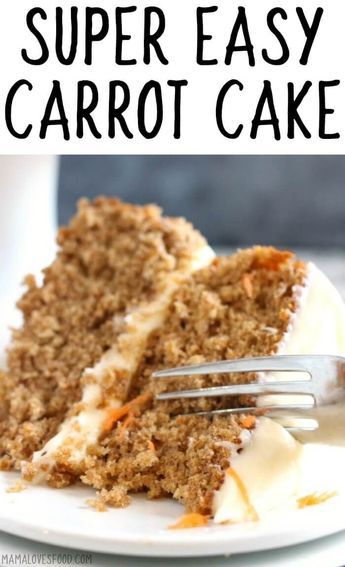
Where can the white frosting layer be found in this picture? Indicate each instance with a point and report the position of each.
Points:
(273, 466)
(319, 325)
(257, 466)
(80, 431)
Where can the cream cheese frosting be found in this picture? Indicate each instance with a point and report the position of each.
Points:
(273, 468)
(318, 326)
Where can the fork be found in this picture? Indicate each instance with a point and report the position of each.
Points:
(323, 385)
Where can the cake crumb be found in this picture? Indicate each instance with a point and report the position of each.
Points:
(19, 486)
(116, 497)
(96, 504)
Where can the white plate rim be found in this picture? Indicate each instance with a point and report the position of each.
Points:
(307, 525)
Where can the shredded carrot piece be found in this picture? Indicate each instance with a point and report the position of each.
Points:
(271, 259)
(151, 445)
(253, 515)
(247, 421)
(190, 521)
(133, 407)
(114, 416)
(247, 281)
(315, 498)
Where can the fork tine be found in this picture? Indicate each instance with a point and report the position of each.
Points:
(255, 410)
(279, 363)
(255, 389)
(323, 385)
(290, 422)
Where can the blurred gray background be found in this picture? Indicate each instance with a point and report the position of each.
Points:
(233, 200)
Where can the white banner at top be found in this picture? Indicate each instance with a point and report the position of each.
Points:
(172, 77)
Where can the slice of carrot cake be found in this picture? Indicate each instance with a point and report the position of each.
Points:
(132, 292)
(85, 328)
(237, 307)
(257, 302)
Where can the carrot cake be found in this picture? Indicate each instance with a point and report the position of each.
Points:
(253, 303)
(86, 326)
(132, 292)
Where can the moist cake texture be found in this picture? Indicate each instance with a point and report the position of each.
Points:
(215, 315)
(112, 259)
(132, 292)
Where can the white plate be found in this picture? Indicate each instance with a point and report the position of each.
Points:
(61, 517)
